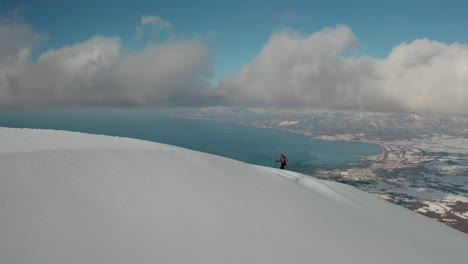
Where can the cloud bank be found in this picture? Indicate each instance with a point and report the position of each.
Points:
(99, 71)
(297, 71)
(292, 70)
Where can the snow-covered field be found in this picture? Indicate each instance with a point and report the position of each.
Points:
(77, 198)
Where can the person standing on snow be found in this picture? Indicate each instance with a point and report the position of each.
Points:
(283, 160)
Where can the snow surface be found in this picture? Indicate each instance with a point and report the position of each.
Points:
(77, 198)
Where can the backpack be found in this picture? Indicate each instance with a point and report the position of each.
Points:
(285, 160)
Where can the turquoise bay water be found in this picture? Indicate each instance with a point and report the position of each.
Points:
(253, 145)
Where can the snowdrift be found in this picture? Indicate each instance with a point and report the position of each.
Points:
(77, 198)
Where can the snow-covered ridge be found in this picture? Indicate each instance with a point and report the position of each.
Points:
(78, 198)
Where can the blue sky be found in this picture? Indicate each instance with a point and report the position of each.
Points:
(236, 30)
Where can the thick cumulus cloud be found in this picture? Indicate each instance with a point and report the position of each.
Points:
(296, 71)
(427, 76)
(100, 71)
(16, 43)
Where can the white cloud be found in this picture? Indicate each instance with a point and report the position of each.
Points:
(151, 26)
(100, 71)
(16, 43)
(427, 76)
(155, 20)
(296, 71)
(291, 71)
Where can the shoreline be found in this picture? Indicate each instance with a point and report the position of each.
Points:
(320, 137)
(408, 172)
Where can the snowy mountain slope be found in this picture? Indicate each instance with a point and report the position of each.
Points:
(77, 198)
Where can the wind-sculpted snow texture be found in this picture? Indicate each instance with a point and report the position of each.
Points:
(77, 198)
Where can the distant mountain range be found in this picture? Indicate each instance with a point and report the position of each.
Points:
(361, 125)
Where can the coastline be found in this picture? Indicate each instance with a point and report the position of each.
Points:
(403, 173)
(311, 135)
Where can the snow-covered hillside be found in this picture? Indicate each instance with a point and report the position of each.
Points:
(78, 198)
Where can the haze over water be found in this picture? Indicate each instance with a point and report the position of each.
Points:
(259, 146)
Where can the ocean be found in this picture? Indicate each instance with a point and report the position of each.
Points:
(260, 146)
